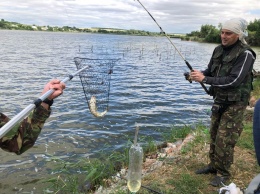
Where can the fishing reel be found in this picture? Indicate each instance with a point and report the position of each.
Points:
(187, 76)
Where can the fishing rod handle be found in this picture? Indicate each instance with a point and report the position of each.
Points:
(202, 84)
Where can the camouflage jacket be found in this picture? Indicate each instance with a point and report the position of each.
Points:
(23, 136)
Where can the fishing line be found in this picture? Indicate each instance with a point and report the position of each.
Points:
(163, 32)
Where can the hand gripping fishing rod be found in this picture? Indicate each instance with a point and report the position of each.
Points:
(10, 124)
(187, 63)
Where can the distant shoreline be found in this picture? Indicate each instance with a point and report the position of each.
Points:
(6, 25)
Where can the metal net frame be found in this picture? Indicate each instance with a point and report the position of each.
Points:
(95, 80)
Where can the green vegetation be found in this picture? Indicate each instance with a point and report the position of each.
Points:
(85, 175)
(210, 33)
(256, 88)
(176, 134)
(187, 183)
(177, 175)
(17, 26)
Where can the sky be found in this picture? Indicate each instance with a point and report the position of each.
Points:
(174, 16)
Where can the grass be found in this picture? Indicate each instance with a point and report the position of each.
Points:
(256, 88)
(177, 175)
(186, 183)
(247, 141)
(84, 176)
(176, 133)
(150, 146)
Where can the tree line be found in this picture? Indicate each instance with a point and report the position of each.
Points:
(17, 26)
(211, 34)
(207, 33)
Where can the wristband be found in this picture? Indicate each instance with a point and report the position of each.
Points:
(204, 80)
(47, 101)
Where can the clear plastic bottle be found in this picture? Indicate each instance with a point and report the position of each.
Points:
(135, 168)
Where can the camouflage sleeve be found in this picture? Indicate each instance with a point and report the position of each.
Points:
(23, 136)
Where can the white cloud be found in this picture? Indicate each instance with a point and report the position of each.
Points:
(173, 16)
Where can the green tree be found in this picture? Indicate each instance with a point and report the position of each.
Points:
(103, 31)
(213, 36)
(210, 33)
(206, 30)
(254, 33)
(3, 24)
(194, 33)
(257, 37)
(254, 26)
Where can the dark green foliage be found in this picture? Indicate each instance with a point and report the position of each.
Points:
(254, 36)
(206, 30)
(254, 26)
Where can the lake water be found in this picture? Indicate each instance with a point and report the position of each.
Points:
(147, 89)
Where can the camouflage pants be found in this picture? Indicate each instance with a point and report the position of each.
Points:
(226, 127)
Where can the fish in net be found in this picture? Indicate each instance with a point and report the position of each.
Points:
(95, 81)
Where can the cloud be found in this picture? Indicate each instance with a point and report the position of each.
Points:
(173, 16)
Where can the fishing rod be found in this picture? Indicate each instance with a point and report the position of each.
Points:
(10, 124)
(163, 32)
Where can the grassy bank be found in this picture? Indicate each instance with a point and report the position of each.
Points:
(176, 175)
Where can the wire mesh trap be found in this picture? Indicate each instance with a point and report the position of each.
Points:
(96, 82)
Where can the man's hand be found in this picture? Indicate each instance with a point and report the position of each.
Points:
(197, 76)
(55, 84)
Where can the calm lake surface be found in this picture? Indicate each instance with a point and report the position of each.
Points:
(147, 89)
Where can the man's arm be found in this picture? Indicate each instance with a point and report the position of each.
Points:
(23, 136)
(238, 73)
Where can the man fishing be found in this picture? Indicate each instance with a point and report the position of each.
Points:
(23, 135)
(229, 73)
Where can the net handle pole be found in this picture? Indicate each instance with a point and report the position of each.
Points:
(16, 119)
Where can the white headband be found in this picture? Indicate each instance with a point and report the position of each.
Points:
(238, 26)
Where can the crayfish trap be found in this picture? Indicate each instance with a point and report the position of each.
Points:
(95, 81)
